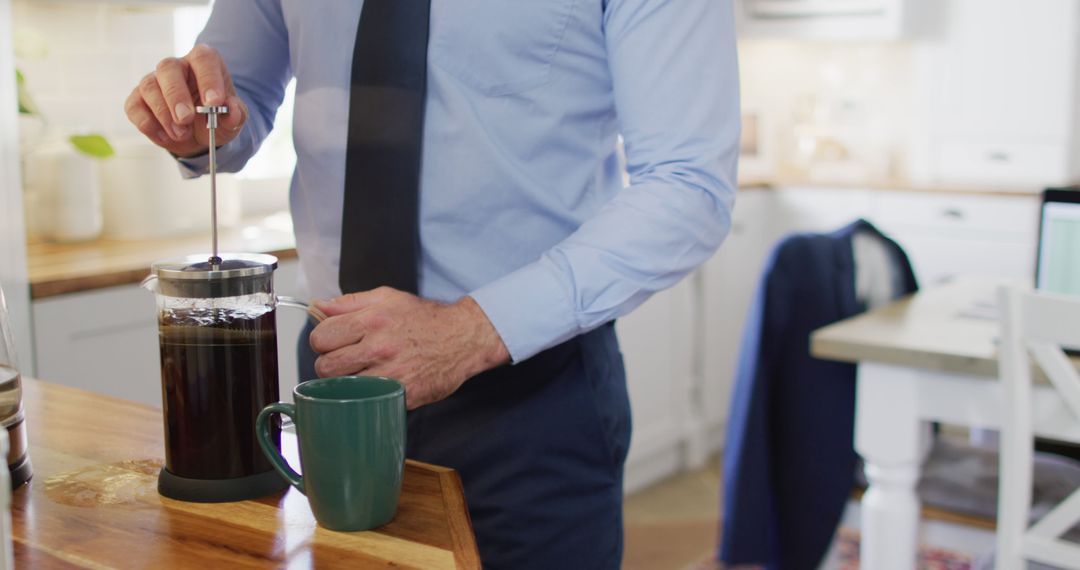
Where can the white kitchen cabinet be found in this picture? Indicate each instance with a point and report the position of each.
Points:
(729, 282)
(949, 235)
(830, 19)
(812, 209)
(1005, 97)
(106, 340)
(656, 341)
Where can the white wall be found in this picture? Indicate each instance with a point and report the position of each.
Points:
(13, 276)
(867, 96)
(81, 60)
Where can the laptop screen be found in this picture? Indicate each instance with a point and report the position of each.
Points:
(1058, 268)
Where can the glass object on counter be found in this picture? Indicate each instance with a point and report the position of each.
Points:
(219, 369)
(11, 413)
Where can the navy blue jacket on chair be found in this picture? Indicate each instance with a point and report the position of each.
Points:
(789, 459)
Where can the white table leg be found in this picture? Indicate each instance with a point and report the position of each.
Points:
(890, 437)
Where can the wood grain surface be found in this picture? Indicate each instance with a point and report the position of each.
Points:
(57, 269)
(93, 503)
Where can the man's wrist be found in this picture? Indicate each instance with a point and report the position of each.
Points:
(491, 351)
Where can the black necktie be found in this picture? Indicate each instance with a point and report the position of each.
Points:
(380, 238)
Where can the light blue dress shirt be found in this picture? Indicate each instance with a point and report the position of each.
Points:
(522, 200)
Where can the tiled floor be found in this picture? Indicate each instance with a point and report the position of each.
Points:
(672, 525)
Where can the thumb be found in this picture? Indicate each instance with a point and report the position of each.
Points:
(236, 117)
(352, 302)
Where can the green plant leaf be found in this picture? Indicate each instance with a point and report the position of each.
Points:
(26, 104)
(96, 146)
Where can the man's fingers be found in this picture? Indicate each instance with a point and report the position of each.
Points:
(337, 332)
(209, 71)
(144, 120)
(155, 101)
(172, 78)
(352, 359)
(354, 301)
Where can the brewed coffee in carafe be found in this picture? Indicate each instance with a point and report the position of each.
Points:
(217, 367)
(218, 343)
(11, 412)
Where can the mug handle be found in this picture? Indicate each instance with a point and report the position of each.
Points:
(262, 432)
(298, 304)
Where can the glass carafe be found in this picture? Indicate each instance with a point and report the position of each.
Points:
(218, 345)
(11, 412)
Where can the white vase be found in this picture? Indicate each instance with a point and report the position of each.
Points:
(77, 198)
(65, 187)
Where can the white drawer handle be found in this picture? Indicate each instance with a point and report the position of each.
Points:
(953, 213)
(998, 156)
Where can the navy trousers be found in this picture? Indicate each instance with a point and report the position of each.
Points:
(540, 448)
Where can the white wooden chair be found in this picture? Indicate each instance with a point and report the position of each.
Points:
(1034, 327)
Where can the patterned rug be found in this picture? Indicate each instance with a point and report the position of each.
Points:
(930, 558)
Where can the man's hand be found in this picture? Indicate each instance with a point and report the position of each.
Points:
(432, 348)
(162, 106)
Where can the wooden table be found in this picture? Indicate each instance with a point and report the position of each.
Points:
(93, 503)
(928, 357)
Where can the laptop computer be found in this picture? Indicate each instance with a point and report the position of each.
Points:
(1057, 266)
(1057, 260)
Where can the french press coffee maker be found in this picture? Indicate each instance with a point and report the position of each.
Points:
(219, 368)
(218, 338)
(11, 412)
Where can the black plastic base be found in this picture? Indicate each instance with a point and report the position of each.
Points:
(21, 472)
(220, 490)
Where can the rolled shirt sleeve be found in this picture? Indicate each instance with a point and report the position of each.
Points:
(675, 77)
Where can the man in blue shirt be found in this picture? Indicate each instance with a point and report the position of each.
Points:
(530, 244)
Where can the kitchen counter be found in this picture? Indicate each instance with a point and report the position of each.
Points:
(893, 184)
(57, 269)
(93, 503)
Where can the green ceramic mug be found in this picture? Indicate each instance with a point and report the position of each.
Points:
(351, 435)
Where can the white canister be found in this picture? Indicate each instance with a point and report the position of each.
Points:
(65, 186)
(77, 198)
(145, 195)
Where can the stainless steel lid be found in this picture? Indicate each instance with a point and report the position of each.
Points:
(232, 265)
(193, 276)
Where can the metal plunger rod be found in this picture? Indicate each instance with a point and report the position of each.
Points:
(211, 113)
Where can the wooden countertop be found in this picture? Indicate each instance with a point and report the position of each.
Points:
(93, 503)
(57, 269)
(893, 185)
(946, 328)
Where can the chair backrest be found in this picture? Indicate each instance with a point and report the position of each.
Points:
(1034, 326)
(1042, 325)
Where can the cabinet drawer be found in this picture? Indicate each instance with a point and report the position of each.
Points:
(1009, 218)
(998, 163)
(801, 209)
(938, 260)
